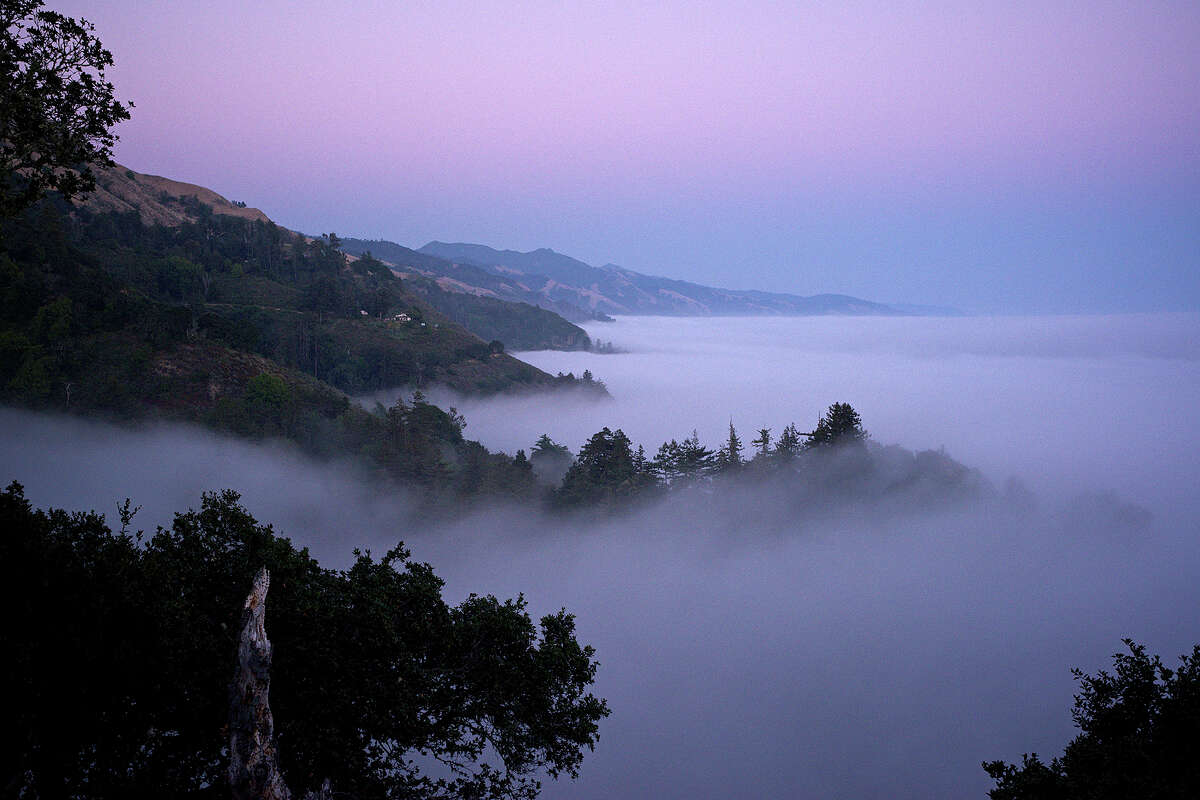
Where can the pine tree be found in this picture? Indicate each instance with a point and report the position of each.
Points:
(789, 444)
(695, 460)
(840, 425)
(763, 442)
(730, 456)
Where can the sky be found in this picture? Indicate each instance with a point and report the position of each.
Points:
(998, 157)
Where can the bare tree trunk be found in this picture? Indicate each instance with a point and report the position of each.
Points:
(253, 762)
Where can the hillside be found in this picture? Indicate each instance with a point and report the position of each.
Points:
(212, 314)
(290, 298)
(509, 317)
(158, 200)
(467, 278)
(614, 290)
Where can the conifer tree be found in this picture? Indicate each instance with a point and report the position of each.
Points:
(730, 456)
(841, 424)
(763, 442)
(789, 444)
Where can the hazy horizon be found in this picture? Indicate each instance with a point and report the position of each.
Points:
(1025, 158)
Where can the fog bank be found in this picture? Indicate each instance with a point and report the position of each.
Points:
(1062, 402)
(754, 647)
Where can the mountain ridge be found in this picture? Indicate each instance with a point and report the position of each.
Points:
(462, 278)
(612, 289)
(512, 320)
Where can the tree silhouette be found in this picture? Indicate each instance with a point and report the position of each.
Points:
(1139, 737)
(840, 425)
(57, 108)
(120, 649)
(730, 456)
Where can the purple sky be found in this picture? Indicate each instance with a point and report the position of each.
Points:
(993, 156)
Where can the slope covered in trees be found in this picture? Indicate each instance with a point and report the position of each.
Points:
(468, 279)
(521, 326)
(241, 326)
(254, 287)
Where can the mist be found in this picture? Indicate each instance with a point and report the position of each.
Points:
(1061, 402)
(753, 644)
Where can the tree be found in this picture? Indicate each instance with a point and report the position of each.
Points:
(57, 108)
(324, 296)
(379, 301)
(762, 443)
(789, 444)
(605, 468)
(547, 446)
(118, 657)
(680, 462)
(550, 460)
(730, 456)
(840, 425)
(1139, 737)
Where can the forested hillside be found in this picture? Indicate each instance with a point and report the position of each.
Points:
(465, 283)
(519, 325)
(241, 326)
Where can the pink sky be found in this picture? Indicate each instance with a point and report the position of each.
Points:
(687, 139)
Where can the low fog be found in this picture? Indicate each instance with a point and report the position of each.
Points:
(1061, 402)
(754, 645)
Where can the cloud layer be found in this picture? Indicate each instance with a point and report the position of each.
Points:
(754, 646)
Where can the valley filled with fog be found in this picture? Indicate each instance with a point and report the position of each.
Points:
(1061, 402)
(751, 647)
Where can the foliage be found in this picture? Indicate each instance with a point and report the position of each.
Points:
(678, 463)
(729, 457)
(119, 651)
(840, 425)
(1139, 737)
(790, 443)
(611, 472)
(606, 469)
(57, 108)
(762, 444)
(545, 446)
(521, 326)
(549, 460)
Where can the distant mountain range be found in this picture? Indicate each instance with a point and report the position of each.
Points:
(466, 278)
(580, 291)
